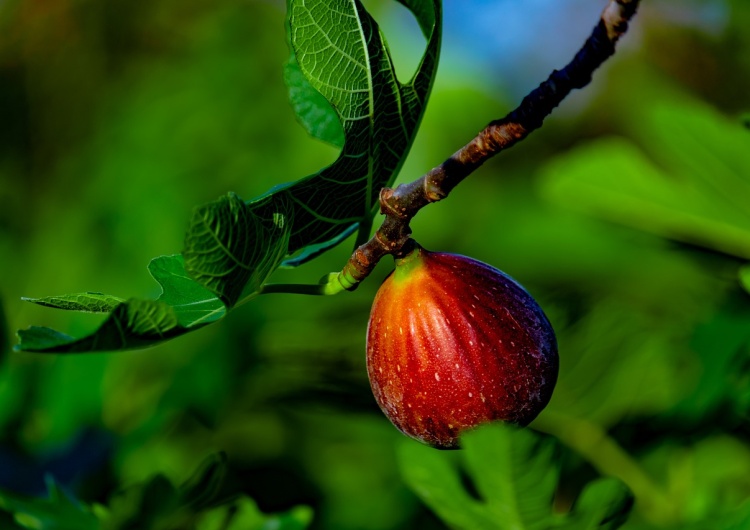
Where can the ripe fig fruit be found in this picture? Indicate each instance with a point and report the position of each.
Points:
(453, 343)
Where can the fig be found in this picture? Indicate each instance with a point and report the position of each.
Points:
(453, 343)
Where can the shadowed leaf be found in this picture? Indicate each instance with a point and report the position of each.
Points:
(515, 472)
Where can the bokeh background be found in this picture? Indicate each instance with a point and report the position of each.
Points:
(627, 216)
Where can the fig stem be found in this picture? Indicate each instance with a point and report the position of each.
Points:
(401, 204)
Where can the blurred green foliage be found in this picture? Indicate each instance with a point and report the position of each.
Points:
(625, 216)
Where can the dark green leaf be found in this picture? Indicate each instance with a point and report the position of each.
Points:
(745, 277)
(202, 488)
(515, 472)
(85, 302)
(133, 324)
(313, 110)
(57, 512)
(341, 52)
(232, 250)
(604, 503)
(245, 515)
(158, 505)
(313, 251)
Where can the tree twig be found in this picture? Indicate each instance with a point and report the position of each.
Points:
(401, 204)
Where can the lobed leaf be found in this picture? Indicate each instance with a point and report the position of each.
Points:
(340, 68)
(515, 472)
(341, 52)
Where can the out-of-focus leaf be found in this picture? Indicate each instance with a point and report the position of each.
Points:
(604, 379)
(705, 480)
(515, 472)
(57, 512)
(436, 481)
(722, 344)
(4, 332)
(700, 196)
(745, 277)
(245, 515)
(158, 505)
(739, 520)
(202, 488)
(604, 503)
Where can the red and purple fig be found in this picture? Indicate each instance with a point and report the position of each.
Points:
(453, 343)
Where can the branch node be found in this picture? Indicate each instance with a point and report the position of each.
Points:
(389, 205)
(432, 190)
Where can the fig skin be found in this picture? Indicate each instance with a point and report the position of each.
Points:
(453, 343)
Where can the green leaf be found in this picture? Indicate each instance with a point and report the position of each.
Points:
(341, 52)
(745, 277)
(435, 480)
(158, 505)
(232, 250)
(515, 473)
(739, 520)
(245, 515)
(193, 304)
(201, 490)
(85, 302)
(232, 246)
(57, 512)
(182, 306)
(133, 324)
(697, 193)
(313, 110)
(605, 503)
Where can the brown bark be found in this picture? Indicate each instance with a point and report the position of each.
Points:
(401, 204)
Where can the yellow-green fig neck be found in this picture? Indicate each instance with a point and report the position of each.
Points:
(408, 265)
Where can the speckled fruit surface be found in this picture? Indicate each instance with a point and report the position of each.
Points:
(453, 343)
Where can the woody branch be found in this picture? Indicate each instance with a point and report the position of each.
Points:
(401, 204)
